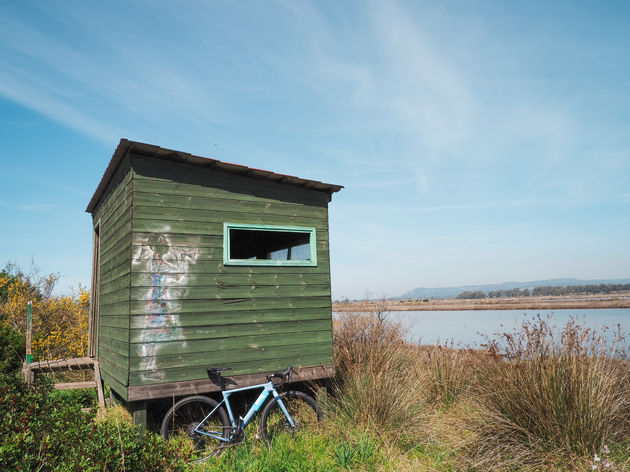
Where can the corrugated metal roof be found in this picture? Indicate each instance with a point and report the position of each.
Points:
(125, 146)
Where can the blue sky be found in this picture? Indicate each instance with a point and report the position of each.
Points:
(478, 141)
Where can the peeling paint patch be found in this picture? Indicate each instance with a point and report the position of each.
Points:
(168, 266)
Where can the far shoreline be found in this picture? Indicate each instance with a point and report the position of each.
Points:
(598, 301)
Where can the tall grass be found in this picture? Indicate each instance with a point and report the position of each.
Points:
(549, 400)
(537, 398)
(451, 371)
(378, 383)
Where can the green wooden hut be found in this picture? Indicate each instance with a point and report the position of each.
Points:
(200, 263)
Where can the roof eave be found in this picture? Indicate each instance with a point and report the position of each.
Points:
(125, 146)
(119, 153)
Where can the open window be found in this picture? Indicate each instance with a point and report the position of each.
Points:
(245, 244)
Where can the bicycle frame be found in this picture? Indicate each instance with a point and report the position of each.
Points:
(268, 389)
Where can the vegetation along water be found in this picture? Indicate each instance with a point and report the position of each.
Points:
(534, 398)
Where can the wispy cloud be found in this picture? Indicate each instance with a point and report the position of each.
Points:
(44, 100)
(384, 183)
(99, 80)
(540, 204)
(37, 207)
(428, 95)
(416, 103)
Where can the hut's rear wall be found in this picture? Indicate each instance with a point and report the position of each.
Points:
(189, 311)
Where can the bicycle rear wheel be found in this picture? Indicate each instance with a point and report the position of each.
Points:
(186, 415)
(302, 408)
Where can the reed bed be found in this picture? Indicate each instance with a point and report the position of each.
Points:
(377, 384)
(539, 398)
(451, 371)
(548, 400)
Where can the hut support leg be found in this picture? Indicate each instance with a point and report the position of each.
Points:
(139, 414)
(99, 385)
(321, 395)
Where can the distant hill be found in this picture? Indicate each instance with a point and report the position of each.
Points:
(451, 292)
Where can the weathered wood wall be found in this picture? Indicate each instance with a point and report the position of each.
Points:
(113, 215)
(189, 311)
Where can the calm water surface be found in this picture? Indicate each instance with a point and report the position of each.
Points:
(467, 327)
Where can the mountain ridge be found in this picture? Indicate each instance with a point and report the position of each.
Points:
(450, 292)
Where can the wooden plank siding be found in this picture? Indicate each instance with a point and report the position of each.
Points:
(187, 310)
(114, 218)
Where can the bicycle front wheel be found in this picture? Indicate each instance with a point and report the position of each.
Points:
(188, 421)
(303, 410)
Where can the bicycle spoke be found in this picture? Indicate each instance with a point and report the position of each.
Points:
(302, 409)
(184, 422)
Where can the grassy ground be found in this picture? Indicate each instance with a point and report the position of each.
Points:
(533, 401)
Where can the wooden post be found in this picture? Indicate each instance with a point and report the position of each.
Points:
(321, 395)
(28, 374)
(139, 414)
(99, 384)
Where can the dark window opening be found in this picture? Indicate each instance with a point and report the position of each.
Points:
(264, 245)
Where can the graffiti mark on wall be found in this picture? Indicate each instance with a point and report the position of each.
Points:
(167, 265)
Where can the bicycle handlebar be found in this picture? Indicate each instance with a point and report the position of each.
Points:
(283, 375)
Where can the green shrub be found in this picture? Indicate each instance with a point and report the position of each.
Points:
(39, 433)
(85, 397)
(12, 349)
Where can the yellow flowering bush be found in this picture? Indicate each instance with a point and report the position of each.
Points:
(60, 323)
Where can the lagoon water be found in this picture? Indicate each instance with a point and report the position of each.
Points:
(468, 327)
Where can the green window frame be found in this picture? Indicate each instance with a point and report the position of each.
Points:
(312, 235)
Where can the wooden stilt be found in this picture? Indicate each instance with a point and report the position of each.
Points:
(99, 384)
(139, 414)
(321, 395)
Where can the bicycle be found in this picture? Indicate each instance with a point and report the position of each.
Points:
(204, 421)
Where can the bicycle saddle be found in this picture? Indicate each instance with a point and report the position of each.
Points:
(216, 372)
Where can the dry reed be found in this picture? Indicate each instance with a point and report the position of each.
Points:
(536, 399)
(378, 383)
(549, 402)
(450, 370)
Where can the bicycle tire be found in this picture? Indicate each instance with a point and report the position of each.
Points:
(182, 419)
(302, 408)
